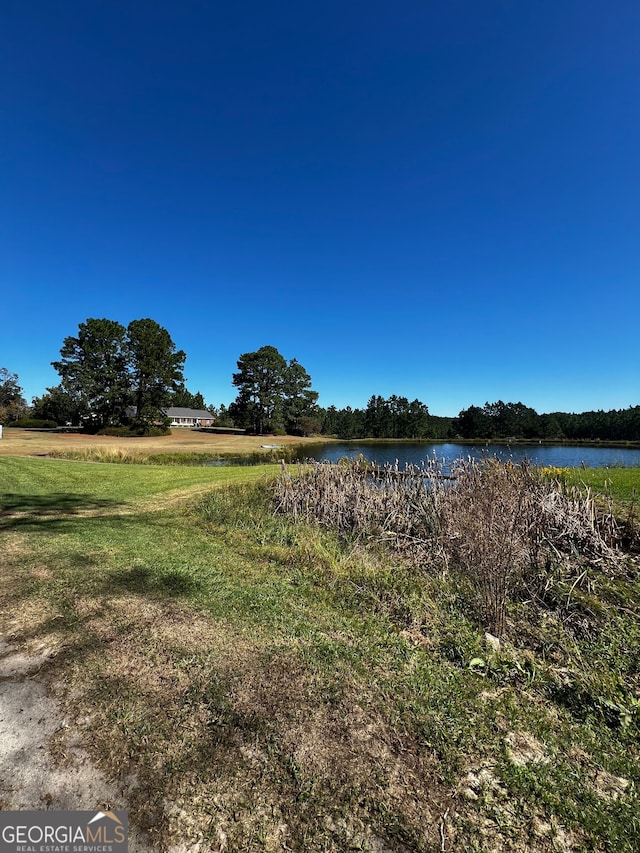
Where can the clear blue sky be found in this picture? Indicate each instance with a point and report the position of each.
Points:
(435, 199)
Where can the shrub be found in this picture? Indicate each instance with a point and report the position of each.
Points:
(134, 431)
(503, 526)
(34, 423)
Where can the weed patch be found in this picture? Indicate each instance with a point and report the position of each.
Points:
(499, 526)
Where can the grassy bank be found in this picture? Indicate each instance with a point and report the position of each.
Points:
(265, 685)
(622, 484)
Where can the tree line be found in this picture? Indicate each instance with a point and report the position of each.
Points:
(515, 420)
(395, 417)
(117, 376)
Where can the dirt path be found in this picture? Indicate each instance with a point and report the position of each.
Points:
(30, 777)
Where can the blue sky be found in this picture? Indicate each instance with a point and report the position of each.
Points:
(434, 199)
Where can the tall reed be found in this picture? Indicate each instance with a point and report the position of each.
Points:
(389, 503)
(497, 524)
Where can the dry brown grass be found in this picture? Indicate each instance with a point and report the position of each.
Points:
(498, 525)
(388, 504)
(20, 442)
(504, 525)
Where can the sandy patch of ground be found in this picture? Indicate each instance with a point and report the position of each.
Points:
(30, 778)
(523, 748)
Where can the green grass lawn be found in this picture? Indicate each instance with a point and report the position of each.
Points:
(623, 484)
(118, 483)
(269, 686)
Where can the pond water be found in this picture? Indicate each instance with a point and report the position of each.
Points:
(560, 456)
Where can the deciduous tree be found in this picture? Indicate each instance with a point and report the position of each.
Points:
(12, 403)
(57, 405)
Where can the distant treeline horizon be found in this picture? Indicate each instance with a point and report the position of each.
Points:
(397, 417)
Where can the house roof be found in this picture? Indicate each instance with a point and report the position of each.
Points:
(180, 412)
